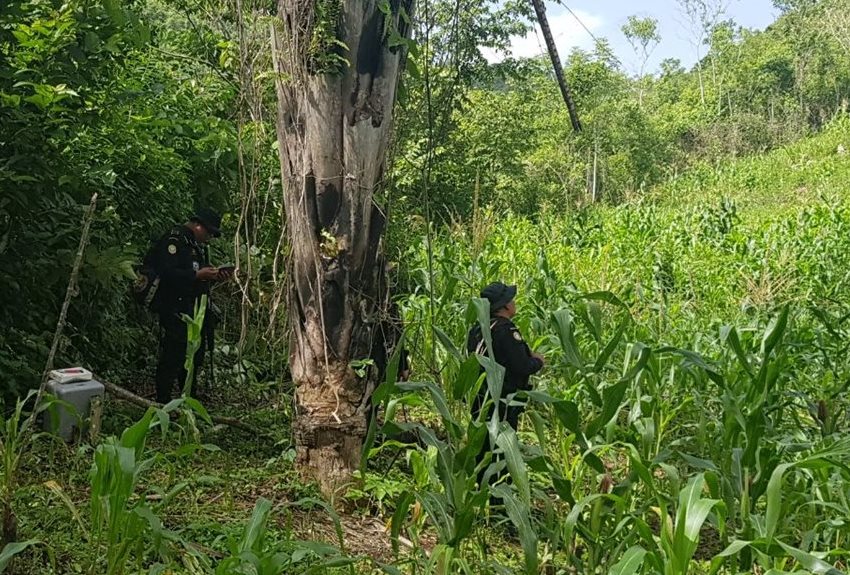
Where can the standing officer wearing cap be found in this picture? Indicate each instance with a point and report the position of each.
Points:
(182, 260)
(509, 350)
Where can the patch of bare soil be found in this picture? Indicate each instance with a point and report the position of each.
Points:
(362, 535)
(366, 536)
(709, 538)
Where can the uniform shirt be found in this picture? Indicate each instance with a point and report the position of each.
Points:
(509, 350)
(177, 256)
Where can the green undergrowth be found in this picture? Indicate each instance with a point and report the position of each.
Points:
(690, 418)
(691, 411)
(786, 178)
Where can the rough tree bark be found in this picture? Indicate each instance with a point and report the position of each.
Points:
(333, 125)
(540, 10)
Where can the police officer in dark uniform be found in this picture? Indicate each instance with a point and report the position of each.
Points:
(510, 351)
(182, 260)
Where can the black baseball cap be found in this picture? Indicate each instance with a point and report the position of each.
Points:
(498, 294)
(210, 219)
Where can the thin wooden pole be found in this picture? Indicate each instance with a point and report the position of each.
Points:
(70, 292)
(540, 9)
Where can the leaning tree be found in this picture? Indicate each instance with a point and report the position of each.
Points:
(337, 64)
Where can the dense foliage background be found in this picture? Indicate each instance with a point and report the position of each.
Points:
(682, 263)
(155, 106)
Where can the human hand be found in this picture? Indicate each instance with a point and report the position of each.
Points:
(207, 274)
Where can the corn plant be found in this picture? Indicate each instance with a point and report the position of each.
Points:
(255, 553)
(446, 470)
(120, 524)
(13, 443)
(781, 506)
(187, 408)
(16, 436)
(722, 356)
(671, 551)
(194, 333)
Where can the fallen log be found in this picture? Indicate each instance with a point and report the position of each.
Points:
(120, 393)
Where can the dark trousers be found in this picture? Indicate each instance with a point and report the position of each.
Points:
(506, 413)
(173, 340)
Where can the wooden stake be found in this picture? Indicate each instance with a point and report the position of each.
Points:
(70, 292)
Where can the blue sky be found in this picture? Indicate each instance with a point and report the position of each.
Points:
(604, 18)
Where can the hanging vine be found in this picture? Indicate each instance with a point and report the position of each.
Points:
(325, 52)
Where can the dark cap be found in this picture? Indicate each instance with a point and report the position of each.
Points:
(499, 295)
(210, 220)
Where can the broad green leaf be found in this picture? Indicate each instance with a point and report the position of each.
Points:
(698, 463)
(605, 296)
(518, 514)
(774, 332)
(563, 322)
(774, 500)
(810, 562)
(509, 445)
(134, 436)
(383, 391)
(198, 408)
(564, 488)
(594, 462)
(482, 314)
(405, 500)
(731, 550)
(495, 377)
(612, 399)
(466, 378)
(12, 549)
(611, 346)
(630, 563)
(696, 516)
(730, 335)
(448, 344)
(256, 525)
(437, 509)
(568, 415)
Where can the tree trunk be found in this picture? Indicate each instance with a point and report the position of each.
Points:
(540, 10)
(595, 164)
(335, 104)
(701, 85)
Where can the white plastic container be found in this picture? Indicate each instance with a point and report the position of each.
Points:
(70, 374)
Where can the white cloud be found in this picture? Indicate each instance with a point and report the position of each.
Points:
(566, 30)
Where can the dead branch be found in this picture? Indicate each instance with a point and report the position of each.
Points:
(120, 393)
